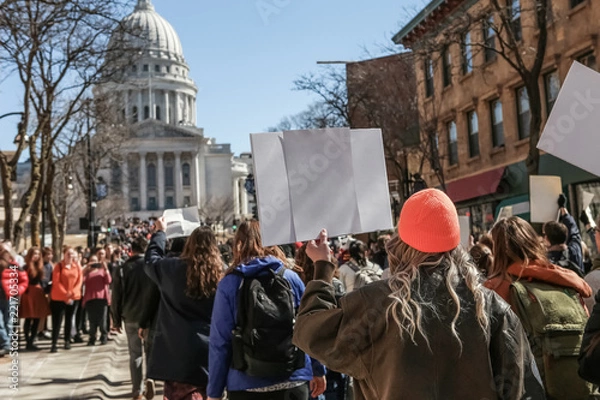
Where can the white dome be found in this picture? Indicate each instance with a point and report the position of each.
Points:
(152, 33)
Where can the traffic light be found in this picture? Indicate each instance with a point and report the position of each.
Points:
(255, 212)
(235, 224)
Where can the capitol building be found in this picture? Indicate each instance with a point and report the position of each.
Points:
(167, 161)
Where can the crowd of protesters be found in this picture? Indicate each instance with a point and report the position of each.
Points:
(409, 315)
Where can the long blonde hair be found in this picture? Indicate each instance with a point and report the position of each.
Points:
(406, 309)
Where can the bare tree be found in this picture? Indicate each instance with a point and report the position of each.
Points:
(59, 49)
(216, 209)
(514, 31)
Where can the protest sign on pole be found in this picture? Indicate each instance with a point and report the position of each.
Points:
(571, 132)
(332, 178)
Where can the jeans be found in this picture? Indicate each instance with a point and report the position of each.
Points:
(60, 309)
(5, 325)
(135, 356)
(96, 311)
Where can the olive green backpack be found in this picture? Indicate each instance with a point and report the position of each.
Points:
(554, 318)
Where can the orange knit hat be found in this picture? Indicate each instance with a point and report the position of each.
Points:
(429, 222)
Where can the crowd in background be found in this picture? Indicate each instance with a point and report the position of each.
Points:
(178, 300)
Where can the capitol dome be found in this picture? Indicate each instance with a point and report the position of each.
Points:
(148, 31)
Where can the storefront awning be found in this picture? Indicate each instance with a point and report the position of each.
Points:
(475, 186)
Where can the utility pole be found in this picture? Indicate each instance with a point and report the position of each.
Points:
(91, 196)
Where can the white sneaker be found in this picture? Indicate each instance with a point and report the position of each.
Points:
(149, 389)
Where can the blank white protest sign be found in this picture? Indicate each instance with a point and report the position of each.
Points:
(543, 197)
(331, 178)
(571, 132)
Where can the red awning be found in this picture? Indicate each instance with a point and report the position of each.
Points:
(475, 186)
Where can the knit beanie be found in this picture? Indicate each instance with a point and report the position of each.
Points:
(429, 222)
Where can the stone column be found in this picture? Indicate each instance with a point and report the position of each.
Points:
(195, 179)
(178, 180)
(125, 181)
(166, 113)
(177, 112)
(127, 106)
(161, 181)
(236, 197)
(202, 173)
(140, 106)
(244, 196)
(143, 182)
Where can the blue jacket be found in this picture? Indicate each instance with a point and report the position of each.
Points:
(574, 240)
(221, 374)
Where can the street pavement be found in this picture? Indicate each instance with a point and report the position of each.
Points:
(82, 373)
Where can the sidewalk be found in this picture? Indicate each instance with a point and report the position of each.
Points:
(82, 373)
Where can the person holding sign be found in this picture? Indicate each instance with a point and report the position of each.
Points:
(430, 331)
(187, 285)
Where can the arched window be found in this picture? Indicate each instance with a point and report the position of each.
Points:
(134, 114)
(158, 113)
(185, 171)
(146, 112)
(151, 173)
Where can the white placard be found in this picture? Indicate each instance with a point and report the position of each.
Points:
(181, 222)
(543, 197)
(332, 178)
(465, 231)
(571, 132)
(586, 199)
(505, 212)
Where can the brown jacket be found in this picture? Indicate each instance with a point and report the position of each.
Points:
(354, 336)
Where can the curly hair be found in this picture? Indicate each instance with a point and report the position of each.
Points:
(407, 306)
(204, 264)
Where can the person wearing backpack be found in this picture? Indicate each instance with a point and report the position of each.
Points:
(429, 332)
(549, 302)
(251, 350)
(187, 286)
(358, 271)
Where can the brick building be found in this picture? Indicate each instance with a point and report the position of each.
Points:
(476, 105)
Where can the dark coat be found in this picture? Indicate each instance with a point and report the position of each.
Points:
(180, 351)
(355, 336)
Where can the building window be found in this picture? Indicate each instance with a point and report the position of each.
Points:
(133, 177)
(152, 203)
(135, 116)
(497, 123)
(467, 54)
(523, 112)
(452, 143)
(428, 77)
(134, 68)
(185, 171)
(170, 203)
(515, 18)
(151, 179)
(158, 113)
(157, 68)
(145, 67)
(123, 115)
(169, 177)
(434, 153)
(575, 3)
(187, 201)
(447, 66)
(552, 87)
(473, 125)
(146, 112)
(168, 69)
(135, 204)
(589, 60)
(489, 38)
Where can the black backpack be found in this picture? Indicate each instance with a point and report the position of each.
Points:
(262, 340)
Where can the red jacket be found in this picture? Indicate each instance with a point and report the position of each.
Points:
(66, 282)
(11, 273)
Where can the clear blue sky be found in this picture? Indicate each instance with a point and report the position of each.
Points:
(244, 60)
